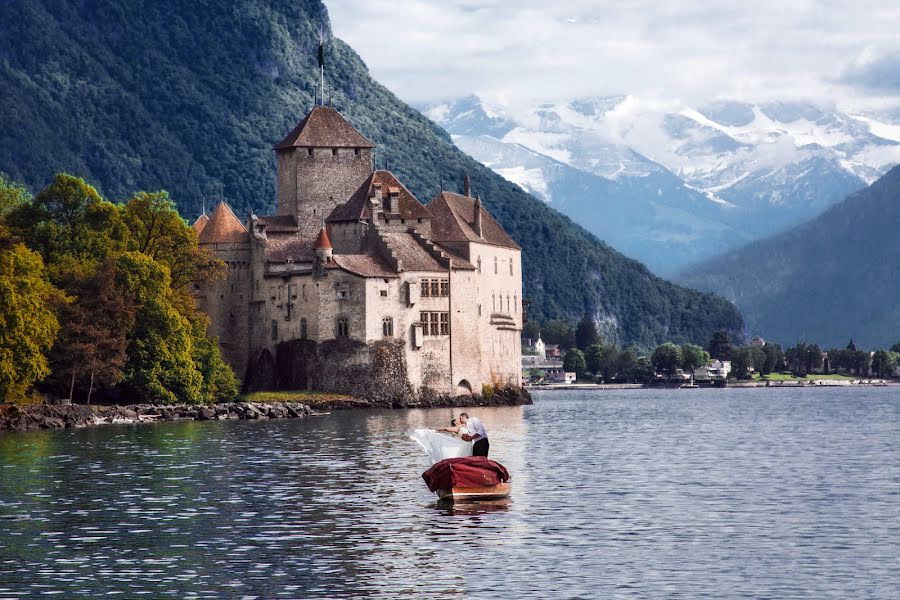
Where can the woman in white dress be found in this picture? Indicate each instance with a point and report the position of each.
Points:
(443, 443)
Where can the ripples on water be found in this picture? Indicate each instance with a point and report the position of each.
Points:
(682, 494)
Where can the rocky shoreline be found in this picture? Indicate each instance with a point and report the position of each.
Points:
(59, 416)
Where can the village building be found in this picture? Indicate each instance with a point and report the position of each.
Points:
(354, 280)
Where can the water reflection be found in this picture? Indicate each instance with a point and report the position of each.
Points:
(633, 494)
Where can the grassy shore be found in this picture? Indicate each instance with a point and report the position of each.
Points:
(810, 377)
(313, 399)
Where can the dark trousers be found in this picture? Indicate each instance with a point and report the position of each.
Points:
(481, 447)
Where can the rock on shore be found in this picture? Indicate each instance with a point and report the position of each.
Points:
(44, 416)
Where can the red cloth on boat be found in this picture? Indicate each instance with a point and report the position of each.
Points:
(467, 471)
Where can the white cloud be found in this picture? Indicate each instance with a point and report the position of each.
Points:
(426, 50)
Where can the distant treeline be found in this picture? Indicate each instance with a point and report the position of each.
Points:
(95, 297)
(586, 354)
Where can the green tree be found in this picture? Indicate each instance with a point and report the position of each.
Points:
(720, 345)
(758, 358)
(28, 324)
(882, 364)
(666, 358)
(643, 371)
(625, 364)
(161, 356)
(586, 333)
(70, 225)
(797, 358)
(157, 230)
(741, 361)
(813, 359)
(593, 357)
(559, 332)
(896, 348)
(774, 358)
(12, 195)
(219, 382)
(575, 362)
(693, 357)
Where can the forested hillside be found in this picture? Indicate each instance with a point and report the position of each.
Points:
(192, 96)
(831, 279)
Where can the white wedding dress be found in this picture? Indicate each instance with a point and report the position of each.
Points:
(440, 446)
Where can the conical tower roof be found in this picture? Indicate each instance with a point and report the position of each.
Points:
(200, 223)
(324, 127)
(322, 240)
(223, 227)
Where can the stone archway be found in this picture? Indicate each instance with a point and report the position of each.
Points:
(464, 388)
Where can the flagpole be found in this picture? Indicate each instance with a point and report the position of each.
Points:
(322, 63)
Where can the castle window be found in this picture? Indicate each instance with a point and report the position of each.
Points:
(309, 152)
(303, 328)
(479, 310)
(435, 288)
(334, 151)
(425, 288)
(343, 327)
(435, 323)
(496, 262)
(510, 266)
(356, 151)
(516, 303)
(479, 264)
(384, 293)
(494, 302)
(445, 287)
(387, 327)
(303, 291)
(274, 330)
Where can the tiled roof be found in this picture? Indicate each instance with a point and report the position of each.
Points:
(364, 265)
(279, 223)
(458, 261)
(200, 223)
(358, 206)
(453, 217)
(293, 249)
(223, 227)
(324, 127)
(411, 253)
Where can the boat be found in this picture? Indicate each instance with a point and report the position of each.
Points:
(690, 385)
(482, 492)
(468, 478)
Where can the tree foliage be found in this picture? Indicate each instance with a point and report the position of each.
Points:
(575, 362)
(693, 357)
(28, 323)
(127, 321)
(667, 358)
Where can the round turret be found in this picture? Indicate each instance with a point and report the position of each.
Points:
(323, 247)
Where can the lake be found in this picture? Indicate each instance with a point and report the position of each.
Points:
(616, 494)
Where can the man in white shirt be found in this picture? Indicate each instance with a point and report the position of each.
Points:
(477, 434)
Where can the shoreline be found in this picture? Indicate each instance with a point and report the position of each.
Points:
(811, 383)
(37, 417)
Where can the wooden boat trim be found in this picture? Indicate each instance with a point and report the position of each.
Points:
(484, 492)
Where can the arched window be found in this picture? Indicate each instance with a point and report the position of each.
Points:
(274, 330)
(510, 266)
(478, 263)
(496, 262)
(343, 327)
(387, 327)
(303, 327)
(516, 303)
(494, 302)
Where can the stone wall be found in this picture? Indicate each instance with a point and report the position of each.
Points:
(311, 182)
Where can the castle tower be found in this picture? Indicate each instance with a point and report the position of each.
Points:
(320, 164)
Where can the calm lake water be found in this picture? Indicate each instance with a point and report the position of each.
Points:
(631, 494)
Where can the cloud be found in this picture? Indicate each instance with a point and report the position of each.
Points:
(427, 50)
(875, 71)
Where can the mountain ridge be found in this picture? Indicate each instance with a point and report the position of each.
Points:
(825, 281)
(156, 96)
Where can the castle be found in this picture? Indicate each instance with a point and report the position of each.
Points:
(356, 285)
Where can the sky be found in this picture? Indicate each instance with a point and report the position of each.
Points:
(842, 53)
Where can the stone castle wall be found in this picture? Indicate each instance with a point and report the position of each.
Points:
(311, 182)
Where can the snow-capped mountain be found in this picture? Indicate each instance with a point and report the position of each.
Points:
(671, 184)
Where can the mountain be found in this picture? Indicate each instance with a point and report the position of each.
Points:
(671, 184)
(828, 280)
(137, 95)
